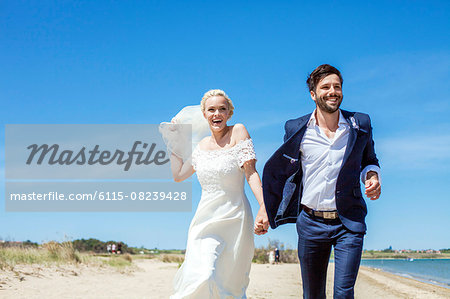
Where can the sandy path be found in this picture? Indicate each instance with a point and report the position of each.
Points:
(284, 281)
(153, 279)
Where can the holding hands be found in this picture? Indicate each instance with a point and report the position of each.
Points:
(261, 221)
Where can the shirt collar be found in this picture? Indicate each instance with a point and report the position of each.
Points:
(312, 120)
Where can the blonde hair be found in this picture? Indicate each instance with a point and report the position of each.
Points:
(217, 92)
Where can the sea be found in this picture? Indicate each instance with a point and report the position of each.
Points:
(434, 271)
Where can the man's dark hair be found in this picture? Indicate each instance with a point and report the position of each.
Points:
(321, 72)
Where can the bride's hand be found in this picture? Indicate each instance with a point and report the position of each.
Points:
(174, 121)
(261, 221)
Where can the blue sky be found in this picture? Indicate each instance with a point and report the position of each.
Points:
(140, 62)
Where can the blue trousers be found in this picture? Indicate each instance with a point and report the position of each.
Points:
(316, 236)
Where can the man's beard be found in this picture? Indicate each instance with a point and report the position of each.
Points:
(322, 104)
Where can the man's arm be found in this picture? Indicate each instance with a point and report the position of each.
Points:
(370, 175)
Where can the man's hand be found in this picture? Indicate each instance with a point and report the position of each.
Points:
(373, 187)
(261, 221)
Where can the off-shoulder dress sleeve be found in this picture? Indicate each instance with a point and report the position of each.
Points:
(246, 152)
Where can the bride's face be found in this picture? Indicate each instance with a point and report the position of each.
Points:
(217, 112)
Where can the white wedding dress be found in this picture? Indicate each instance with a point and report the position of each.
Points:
(220, 241)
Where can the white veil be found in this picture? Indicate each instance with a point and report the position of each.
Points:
(176, 134)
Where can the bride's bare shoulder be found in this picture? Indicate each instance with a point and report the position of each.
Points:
(239, 132)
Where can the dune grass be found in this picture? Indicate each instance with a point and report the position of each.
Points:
(118, 261)
(171, 258)
(48, 253)
(54, 253)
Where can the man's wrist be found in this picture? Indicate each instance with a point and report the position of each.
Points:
(371, 174)
(370, 168)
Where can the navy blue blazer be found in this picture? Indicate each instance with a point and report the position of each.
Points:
(282, 175)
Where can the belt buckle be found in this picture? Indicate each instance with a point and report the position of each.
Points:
(329, 215)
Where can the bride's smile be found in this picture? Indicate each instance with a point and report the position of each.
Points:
(217, 112)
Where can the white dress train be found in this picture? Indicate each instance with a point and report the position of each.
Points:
(220, 243)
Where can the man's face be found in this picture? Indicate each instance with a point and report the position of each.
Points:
(328, 95)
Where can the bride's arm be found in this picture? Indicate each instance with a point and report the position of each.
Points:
(254, 181)
(180, 170)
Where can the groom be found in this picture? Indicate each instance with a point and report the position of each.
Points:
(313, 180)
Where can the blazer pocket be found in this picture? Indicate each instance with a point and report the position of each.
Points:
(362, 131)
(291, 159)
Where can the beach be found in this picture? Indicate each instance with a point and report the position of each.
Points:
(152, 278)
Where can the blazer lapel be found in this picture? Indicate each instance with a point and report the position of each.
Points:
(352, 134)
(293, 143)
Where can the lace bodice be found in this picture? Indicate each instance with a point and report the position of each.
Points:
(222, 169)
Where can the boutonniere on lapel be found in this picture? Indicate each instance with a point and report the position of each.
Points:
(354, 124)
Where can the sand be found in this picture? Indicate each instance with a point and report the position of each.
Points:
(153, 279)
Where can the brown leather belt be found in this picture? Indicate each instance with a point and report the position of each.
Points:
(321, 214)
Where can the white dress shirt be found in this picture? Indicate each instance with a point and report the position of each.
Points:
(321, 162)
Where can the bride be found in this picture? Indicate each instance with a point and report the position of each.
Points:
(220, 241)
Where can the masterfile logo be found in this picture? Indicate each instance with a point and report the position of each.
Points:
(91, 168)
